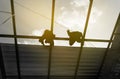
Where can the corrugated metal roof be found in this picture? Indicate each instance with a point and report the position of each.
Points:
(34, 61)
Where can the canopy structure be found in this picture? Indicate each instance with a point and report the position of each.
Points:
(33, 61)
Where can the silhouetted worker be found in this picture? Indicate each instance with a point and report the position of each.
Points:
(74, 36)
(48, 37)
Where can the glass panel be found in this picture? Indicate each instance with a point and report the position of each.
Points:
(66, 43)
(32, 16)
(96, 44)
(5, 17)
(87, 44)
(70, 14)
(103, 19)
(29, 41)
(56, 42)
(7, 40)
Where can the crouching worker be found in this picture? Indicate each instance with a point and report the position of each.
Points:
(74, 36)
(47, 37)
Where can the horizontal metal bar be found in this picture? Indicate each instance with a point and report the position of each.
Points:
(57, 38)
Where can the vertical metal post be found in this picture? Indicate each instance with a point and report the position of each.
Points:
(15, 39)
(49, 62)
(2, 66)
(52, 16)
(106, 52)
(50, 48)
(83, 39)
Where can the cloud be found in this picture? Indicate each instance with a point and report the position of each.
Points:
(37, 32)
(75, 18)
(94, 15)
(71, 19)
(80, 3)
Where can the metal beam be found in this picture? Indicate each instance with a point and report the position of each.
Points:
(52, 16)
(83, 39)
(57, 38)
(106, 52)
(49, 61)
(15, 39)
(2, 66)
(50, 48)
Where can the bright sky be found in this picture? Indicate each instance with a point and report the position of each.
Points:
(34, 16)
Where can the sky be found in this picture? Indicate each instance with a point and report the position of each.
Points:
(34, 16)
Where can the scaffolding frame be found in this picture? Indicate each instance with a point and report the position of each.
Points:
(15, 36)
